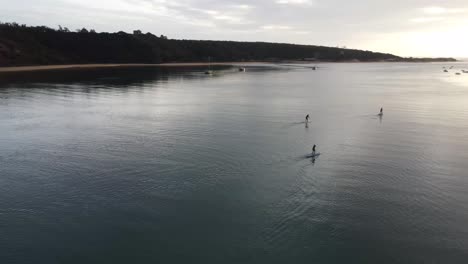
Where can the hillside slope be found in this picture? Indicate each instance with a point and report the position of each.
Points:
(24, 45)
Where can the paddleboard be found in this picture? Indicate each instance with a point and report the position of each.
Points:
(313, 155)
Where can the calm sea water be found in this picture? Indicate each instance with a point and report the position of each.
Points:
(174, 166)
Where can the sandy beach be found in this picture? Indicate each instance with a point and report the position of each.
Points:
(91, 66)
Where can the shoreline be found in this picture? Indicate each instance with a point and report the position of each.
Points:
(113, 65)
(13, 69)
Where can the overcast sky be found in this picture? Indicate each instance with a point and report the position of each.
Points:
(402, 27)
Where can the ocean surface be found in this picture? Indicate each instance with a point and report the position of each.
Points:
(149, 165)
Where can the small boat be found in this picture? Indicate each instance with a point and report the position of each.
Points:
(457, 73)
(241, 69)
(445, 71)
(314, 68)
(464, 71)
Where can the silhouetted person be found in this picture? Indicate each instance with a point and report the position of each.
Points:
(381, 111)
(313, 150)
(307, 118)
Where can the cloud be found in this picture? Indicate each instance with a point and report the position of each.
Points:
(232, 19)
(426, 19)
(275, 27)
(294, 2)
(437, 10)
(243, 6)
(436, 14)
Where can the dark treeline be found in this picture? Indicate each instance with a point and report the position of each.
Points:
(40, 45)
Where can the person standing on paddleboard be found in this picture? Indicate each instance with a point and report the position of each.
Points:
(313, 150)
(307, 118)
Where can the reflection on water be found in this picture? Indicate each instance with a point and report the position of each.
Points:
(171, 165)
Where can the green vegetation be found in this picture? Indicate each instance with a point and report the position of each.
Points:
(26, 45)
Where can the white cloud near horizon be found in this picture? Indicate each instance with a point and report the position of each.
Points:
(402, 27)
(294, 2)
(438, 10)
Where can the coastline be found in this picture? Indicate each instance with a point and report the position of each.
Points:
(113, 65)
(35, 68)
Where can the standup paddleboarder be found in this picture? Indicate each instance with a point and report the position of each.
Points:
(307, 118)
(313, 150)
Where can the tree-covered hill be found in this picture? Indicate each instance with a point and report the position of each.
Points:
(26, 45)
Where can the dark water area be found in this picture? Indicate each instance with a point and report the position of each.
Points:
(170, 165)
